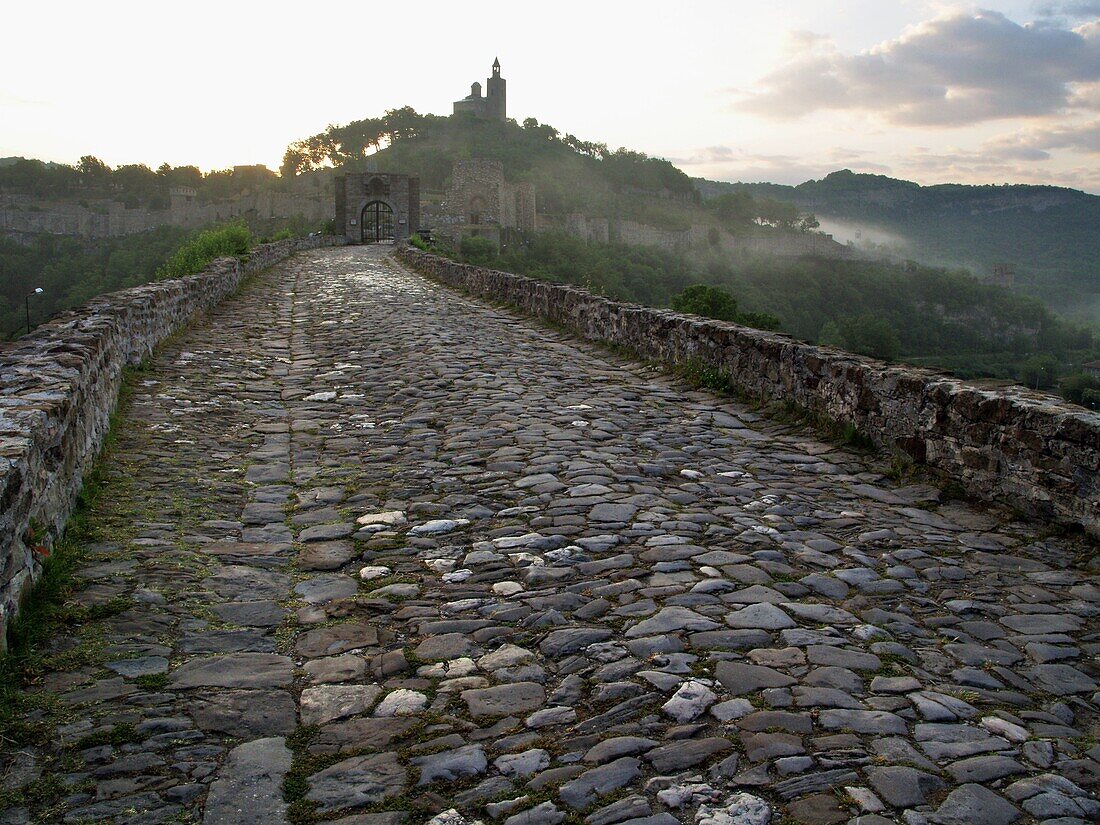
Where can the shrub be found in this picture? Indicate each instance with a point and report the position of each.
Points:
(864, 334)
(477, 250)
(758, 320)
(715, 302)
(1039, 371)
(196, 254)
(418, 242)
(1080, 388)
(708, 301)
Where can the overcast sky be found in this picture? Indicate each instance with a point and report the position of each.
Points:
(731, 90)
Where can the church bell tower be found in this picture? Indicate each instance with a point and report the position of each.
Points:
(496, 94)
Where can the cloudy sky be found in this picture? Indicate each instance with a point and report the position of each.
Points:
(732, 90)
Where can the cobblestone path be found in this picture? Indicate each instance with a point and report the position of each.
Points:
(380, 553)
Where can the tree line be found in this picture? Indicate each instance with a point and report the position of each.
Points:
(135, 184)
(927, 316)
(71, 272)
(427, 145)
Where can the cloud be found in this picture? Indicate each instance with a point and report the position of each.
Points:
(994, 162)
(9, 99)
(954, 70)
(1069, 8)
(1037, 143)
(730, 164)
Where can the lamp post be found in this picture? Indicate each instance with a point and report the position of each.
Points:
(37, 291)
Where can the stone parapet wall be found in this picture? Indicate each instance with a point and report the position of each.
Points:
(24, 217)
(59, 386)
(1032, 451)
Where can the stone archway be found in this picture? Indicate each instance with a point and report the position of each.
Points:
(376, 223)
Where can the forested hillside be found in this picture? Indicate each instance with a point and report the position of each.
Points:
(134, 185)
(570, 174)
(922, 315)
(1049, 236)
(71, 272)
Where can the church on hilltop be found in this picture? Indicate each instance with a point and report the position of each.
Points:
(491, 106)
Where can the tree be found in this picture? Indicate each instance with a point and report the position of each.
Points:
(1039, 371)
(865, 334)
(808, 222)
(736, 210)
(830, 336)
(477, 250)
(708, 301)
(1076, 386)
(775, 213)
(180, 175)
(92, 170)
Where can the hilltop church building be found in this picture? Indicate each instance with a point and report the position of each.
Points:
(493, 106)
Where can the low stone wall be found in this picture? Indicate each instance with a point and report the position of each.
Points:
(59, 386)
(1033, 451)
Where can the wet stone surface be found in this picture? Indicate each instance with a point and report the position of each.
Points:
(378, 553)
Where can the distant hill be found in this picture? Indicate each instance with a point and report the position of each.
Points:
(1048, 235)
(569, 174)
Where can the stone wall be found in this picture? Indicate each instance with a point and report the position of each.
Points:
(478, 198)
(59, 386)
(23, 217)
(764, 243)
(1033, 451)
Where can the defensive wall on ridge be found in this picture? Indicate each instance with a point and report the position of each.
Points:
(59, 386)
(1032, 451)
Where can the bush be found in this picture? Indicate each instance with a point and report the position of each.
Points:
(1077, 386)
(418, 242)
(863, 334)
(196, 254)
(1039, 371)
(871, 335)
(715, 302)
(708, 301)
(477, 250)
(758, 320)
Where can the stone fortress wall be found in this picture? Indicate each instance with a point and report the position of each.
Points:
(697, 237)
(477, 190)
(1033, 451)
(479, 201)
(24, 216)
(59, 386)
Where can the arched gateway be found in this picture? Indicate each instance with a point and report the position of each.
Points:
(377, 207)
(376, 222)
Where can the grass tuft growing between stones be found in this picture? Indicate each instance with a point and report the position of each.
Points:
(121, 734)
(152, 681)
(300, 810)
(44, 609)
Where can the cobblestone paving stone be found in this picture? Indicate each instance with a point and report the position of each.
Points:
(408, 557)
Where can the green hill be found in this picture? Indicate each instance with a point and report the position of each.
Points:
(1049, 236)
(570, 174)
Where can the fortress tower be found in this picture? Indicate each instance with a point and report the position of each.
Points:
(493, 106)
